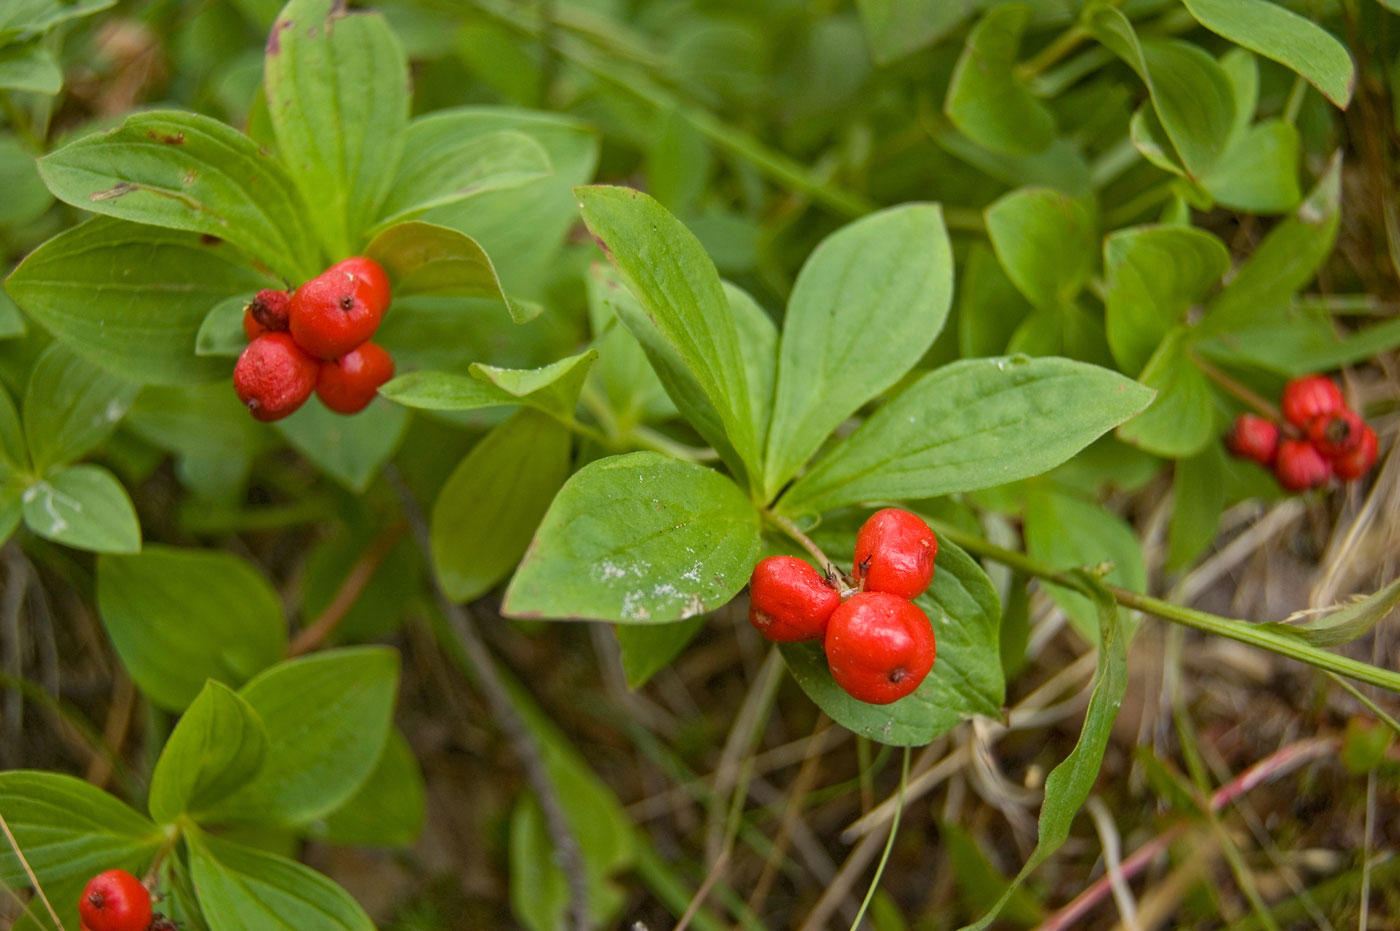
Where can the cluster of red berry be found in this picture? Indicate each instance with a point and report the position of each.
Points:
(117, 901)
(316, 339)
(1321, 437)
(879, 644)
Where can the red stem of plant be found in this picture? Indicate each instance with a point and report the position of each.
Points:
(1245, 394)
(349, 592)
(1271, 767)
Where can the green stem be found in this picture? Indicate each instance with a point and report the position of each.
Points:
(1052, 54)
(647, 438)
(889, 844)
(1233, 387)
(1237, 630)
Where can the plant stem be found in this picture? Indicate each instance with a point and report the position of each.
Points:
(149, 880)
(1242, 631)
(359, 576)
(1052, 54)
(889, 844)
(788, 527)
(1234, 388)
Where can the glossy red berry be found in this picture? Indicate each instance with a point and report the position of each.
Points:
(879, 647)
(270, 309)
(789, 600)
(1300, 466)
(895, 551)
(1336, 434)
(1254, 438)
(372, 273)
(1357, 462)
(1309, 397)
(115, 901)
(273, 376)
(349, 383)
(333, 313)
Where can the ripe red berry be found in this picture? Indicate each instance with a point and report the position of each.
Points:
(270, 309)
(1337, 433)
(333, 313)
(349, 383)
(372, 273)
(895, 551)
(1309, 397)
(251, 327)
(1254, 438)
(879, 647)
(273, 376)
(1300, 466)
(789, 601)
(1357, 462)
(115, 901)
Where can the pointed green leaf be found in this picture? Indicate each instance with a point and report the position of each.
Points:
(895, 28)
(85, 507)
(439, 169)
(986, 100)
(552, 388)
(338, 96)
(425, 259)
(868, 303)
(1198, 498)
(638, 539)
(30, 67)
(184, 171)
(1259, 171)
(179, 617)
(1181, 420)
(217, 746)
(132, 298)
(1046, 242)
(350, 449)
(1277, 32)
(388, 811)
(35, 17)
(971, 424)
(71, 406)
(646, 650)
(14, 455)
(1345, 624)
(487, 512)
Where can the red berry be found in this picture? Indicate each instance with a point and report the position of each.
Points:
(348, 384)
(1336, 434)
(333, 313)
(251, 327)
(1300, 466)
(115, 901)
(270, 309)
(1309, 397)
(1254, 438)
(789, 601)
(895, 551)
(273, 376)
(372, 273)
(1357, 462)
(879, 647)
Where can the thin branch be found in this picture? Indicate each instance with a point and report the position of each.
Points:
(356, 580)
(29, 871)
(567, 852)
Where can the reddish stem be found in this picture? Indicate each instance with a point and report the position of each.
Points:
(350, 590)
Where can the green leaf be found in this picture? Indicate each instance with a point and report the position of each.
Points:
(85, 507)
(11, 505)
(1286, 260)
(966, 678)
(1198, 498)
(1061, 166)
(179, 617)
(664, 265)
(1155, 274)
(980, 883)
(440, 167)
(69, 829)
(1068, 532)
(758, 341)
(35, 17)
(1345, 624)
(638, 539)
(184, 171)
(648, 650)
(221, 333)
(552, 388)
(487, 512)
(867, 305)
(895, 28)
(1191, 94)
(388, 811)
(425, 259)
(986, 100)
(539, 890)
(132, 298)
(1278, 33)
(989, 306)
(1045, 241)
(1070, 783)
(1303, 339)
(31, 68)
(71, 406)
(26, 198)
(338, 95)
(217, 746)
(242, 889)
(351, 449)
(1181, 420)
(1259, 171)
(14, 455)
(971, 424)
(327, 717)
